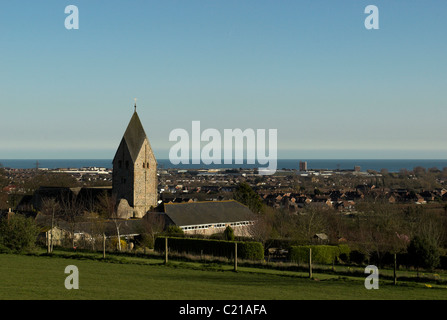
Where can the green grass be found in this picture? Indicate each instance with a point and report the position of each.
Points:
(42, 277)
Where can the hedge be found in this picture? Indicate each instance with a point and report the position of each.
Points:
(323, 254)
(245, 249)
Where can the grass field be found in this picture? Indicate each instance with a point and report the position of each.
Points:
(41, 277)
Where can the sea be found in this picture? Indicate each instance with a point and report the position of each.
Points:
(392, 165)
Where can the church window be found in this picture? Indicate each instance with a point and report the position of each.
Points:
(127, 164)
(120, 164)
(143, 165)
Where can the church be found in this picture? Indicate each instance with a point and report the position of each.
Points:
(134, 191)
(134, 182)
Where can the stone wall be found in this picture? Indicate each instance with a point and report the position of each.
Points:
(145, 181)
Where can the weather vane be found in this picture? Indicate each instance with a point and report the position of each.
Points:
(135, 106)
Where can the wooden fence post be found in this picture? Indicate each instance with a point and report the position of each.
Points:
(104, 245)
(310, 262)
(166, 250)
(395, 267)
(48, 241)
(235, 256)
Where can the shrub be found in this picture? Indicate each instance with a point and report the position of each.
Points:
(357, 257)
(229, 234)
(245, 250)
(344, 252)
(114, 244)
(250, 250)
(144, 240)
(423, 253)
(323, 254)
(18, 233)
(443, 262)
(284, 243)
(174, 231)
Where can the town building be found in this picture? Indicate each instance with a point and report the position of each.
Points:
(303, 166)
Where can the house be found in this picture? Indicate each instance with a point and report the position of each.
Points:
(427, 196)
(59, 235)
(209, 217)
(86, 232)
(320, 238)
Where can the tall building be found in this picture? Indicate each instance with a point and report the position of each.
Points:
(134, 182)
(303, 166)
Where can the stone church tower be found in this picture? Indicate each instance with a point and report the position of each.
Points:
(134, 181)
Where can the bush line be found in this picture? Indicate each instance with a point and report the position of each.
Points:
(245, 249)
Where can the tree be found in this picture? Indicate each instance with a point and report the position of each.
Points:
(18, 233)
(283, 223)
(262, 227)
(97, 229)
(423, 253)
(153, 223)
(108, 209)
(247, 196)
(71, 210)
(51, 208)
(380, 229)
(3, 183)
(312, 221)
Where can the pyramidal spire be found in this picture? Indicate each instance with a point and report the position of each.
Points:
(134, 135)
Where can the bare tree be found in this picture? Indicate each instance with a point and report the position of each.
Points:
(310, 222)
(380, 229)
(72, 210)
(262, 227)
(50, 207)
(430, 227)
(153, 223)
(97, 227)
(108, 208)
(283, 223)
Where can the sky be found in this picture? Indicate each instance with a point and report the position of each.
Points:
(309, 69)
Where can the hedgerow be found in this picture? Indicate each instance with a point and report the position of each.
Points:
(245, 249)
(323, 254)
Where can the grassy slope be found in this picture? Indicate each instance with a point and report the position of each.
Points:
(30, 277)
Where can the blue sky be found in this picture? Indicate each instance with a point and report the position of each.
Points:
(309, 69)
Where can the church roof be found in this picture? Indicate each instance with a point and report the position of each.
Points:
(134, 136)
